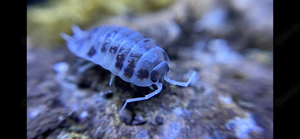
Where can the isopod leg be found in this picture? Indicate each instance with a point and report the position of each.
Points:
(112, 78)
(133, 87)
(85, 67)
(185, 84)
(159, 88)
(151, 88)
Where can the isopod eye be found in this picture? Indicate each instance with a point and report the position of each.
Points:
(159, 71)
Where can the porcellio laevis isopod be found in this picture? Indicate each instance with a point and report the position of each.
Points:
(125, 53)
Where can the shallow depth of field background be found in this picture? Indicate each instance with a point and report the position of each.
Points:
(229, 43)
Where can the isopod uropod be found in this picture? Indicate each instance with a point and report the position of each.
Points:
(125, 53)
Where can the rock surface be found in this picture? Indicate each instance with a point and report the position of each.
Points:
(231, 96)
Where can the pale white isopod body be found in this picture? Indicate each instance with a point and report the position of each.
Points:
(125, 53)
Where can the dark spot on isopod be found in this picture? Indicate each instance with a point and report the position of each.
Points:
(120, 60)
(103, 48)
(128, 72)
(142, 74)
(154, 76)
(113, 49)
(91, 52)
(106, 42)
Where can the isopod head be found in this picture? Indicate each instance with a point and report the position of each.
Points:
(159, 72)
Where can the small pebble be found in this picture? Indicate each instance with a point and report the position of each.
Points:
(159, 120)
(84, 114)
(225, 99)
(126, 117)
(138, 120)
(61, 67)
(108, 94)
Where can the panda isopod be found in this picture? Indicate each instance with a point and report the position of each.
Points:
(125, 53)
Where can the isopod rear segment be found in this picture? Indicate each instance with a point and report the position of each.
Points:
(125, 53)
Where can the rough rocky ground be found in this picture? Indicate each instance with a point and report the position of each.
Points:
(231, 96)
(224, 101)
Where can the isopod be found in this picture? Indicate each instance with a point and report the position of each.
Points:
(125, 53)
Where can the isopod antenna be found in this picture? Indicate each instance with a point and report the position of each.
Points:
(185, 84)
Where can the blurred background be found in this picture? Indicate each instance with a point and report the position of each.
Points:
(228, 42)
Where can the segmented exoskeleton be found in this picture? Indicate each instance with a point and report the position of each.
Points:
(125, 53)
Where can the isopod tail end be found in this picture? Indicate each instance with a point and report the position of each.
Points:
(76, 29)
(65, 36)
(78, 33)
